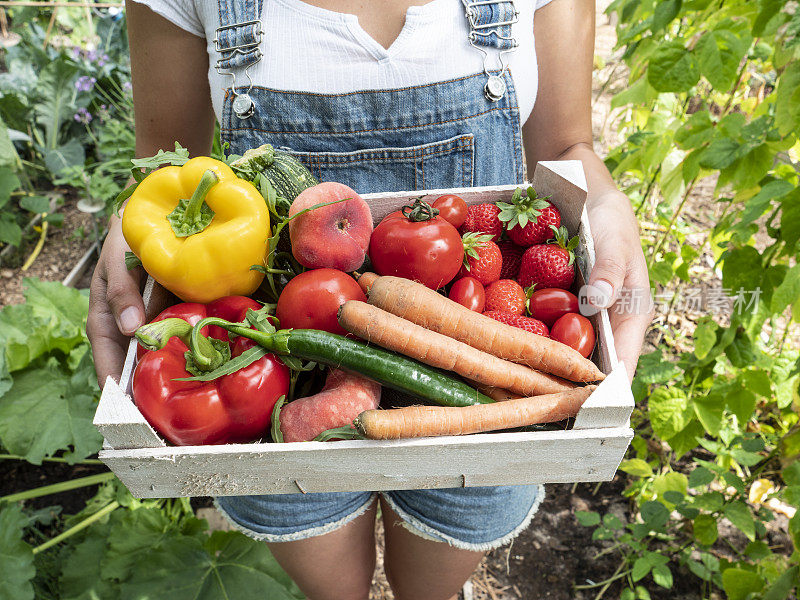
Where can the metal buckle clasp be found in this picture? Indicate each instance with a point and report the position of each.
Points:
(241, 47)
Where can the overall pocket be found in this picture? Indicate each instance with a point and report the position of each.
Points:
(444, 164)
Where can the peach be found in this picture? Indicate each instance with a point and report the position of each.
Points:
(334, 236)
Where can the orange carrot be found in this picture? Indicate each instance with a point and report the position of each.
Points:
(365, 280)
(389, 331)
(495, 393)
(428, 309)
(425, 421)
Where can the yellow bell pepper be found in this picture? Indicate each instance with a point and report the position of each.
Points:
(198, 229)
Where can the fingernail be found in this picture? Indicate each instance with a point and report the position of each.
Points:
(129, 320)
(601, 293)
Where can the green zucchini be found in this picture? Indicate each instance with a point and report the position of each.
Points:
(286, 174)
(387, 368)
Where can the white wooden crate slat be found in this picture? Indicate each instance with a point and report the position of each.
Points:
(590, 451)
(475, 460)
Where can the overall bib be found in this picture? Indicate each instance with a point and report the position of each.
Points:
(455, 133)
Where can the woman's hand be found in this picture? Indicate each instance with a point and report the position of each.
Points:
(619, 280)
(116, 308)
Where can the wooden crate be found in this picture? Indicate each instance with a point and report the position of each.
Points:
(590, 451)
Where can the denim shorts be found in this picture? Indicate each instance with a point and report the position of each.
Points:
(478, 518)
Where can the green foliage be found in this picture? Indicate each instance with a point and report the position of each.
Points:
(65, 113)
(714, 96)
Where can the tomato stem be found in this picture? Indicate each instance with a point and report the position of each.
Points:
(419, 211)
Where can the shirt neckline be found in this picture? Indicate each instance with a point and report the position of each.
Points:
(414, 16)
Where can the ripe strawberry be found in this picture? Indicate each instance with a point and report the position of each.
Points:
(512, 257)
(528, 218)
(526, 323)
(549, 265)
(482, 218)
(506, 295)
(482, 258)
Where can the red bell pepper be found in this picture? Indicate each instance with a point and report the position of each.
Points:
(233, 408)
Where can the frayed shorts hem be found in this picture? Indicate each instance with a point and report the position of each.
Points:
(417, 527)
(411, 523)
(296, 535)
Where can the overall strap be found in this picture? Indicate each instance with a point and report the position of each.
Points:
(490, 24)
(239, 33)
(237, 41)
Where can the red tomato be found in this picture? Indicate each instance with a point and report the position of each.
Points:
(312, 299)
(468, 292)
(452, 209)
(575, 331)
(428, 250)
(549, 304)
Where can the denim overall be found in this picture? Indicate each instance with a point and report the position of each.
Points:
(452, 133)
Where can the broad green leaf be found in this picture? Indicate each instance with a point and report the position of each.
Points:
(55, 90)
(705, 529)
(787, 102)
(60, 159)
(788, 292)
(710, 501)
(673, 68)
(611, 521)
(742, 403)
(740, 351)
(640, 568)
(705, 336)
(758, 381)
(587, 518)
(768, 10)
(35, 204)
(721, 153)
(758, 550)
(654, 514)
(750, 168)
(664, 13)
(662, 576)
(670, 482)
(637, 467)
(63, 308)
(719, 52)
(80, 576)
(686, 439)
(10, 231)
(738, 513)
(47, 410)
(756, 206)
(700, 476)
(742, 268)
(667, 408)
(8, 183)
(791, 473)
(228, 565)
(134, 534)
(637, 93)
(739, 584)
(16, 559)
(655, 368)
(790, 218)
(8, 153)
(784, 585)
(709, 410)
(734, 481)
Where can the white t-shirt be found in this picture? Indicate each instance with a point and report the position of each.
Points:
(312, 49)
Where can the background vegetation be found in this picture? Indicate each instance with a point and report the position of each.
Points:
(712, 103)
